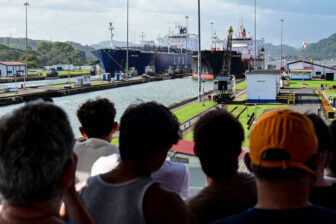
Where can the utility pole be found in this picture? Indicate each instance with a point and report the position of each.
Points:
(199, 53)
(127, 39)
(255, 33)
(26, 73)
(282, 20)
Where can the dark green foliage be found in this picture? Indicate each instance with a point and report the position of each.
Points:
(9, 54)
(60, 53)
(33, 60)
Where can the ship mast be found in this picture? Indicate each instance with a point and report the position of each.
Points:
(142, 35)
(111, 28)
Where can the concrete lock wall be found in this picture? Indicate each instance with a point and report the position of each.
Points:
(262, 88)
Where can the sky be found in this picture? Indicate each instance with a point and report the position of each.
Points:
(87, 21)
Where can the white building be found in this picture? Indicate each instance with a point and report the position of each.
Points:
(263, 86)
(301, 74)
(10, 69)
(317, 70)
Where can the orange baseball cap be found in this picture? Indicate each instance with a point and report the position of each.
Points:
(283, 130)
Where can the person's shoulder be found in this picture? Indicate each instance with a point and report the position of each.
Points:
(79, 146)
(159, 204)
(175, 165)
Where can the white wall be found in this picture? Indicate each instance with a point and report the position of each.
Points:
(262, 86)
(316, 68)
(301, 75)
(3, 70)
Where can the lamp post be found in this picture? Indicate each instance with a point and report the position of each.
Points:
(255, 33)
(127, 40)
(282, 20)
(199, 53)
(26, 73)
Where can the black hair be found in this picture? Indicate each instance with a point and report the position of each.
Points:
(97, 117)
(332, 146)
(218, 138)
(322, 132)
(36, 143)
(146, 129)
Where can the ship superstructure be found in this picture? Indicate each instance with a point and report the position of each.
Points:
(244, 44)
(240, 50)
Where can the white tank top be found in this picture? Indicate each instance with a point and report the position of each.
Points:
(116, 203)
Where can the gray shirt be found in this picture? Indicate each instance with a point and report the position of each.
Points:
(116, 203)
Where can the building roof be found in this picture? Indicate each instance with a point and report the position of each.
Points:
(264, 72)
(11, 63)
(308, 62)
(301, 70)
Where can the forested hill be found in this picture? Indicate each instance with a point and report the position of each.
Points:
(20, 43)
(275, 51)
(45, 53)
(324, 49)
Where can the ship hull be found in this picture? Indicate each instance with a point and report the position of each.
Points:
(212, 64)
(114, 60)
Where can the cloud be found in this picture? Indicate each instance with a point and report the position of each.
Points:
(87, 21)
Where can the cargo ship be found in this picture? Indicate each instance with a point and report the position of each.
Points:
(242, 48)
(173, 53)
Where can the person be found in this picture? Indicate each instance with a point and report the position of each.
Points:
(209, 97)
(98, 126)
(324, 190)
(127, 194)
(96, 155)
(330, 171)
(37, 166)
(319, 110)
(228, 192)
(283, 158)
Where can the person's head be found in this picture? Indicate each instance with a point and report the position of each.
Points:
(147, 130)
(322, 132)
(283, 146)
(97, 118)
(218, 138)
(36, 144)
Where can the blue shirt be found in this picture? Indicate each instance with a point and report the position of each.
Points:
(308, 215)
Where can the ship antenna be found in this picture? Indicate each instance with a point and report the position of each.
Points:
(142, 35)
(111, 28)
(212, 36)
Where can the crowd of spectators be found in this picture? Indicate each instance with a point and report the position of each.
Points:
(47, 177)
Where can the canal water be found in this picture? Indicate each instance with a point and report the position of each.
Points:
(165, 92)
